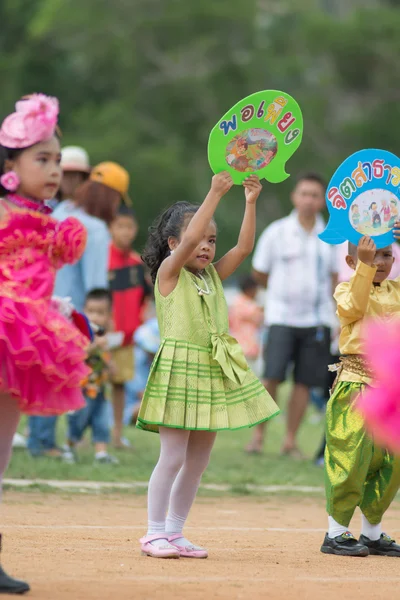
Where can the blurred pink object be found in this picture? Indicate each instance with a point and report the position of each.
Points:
(345, 272)
(34, 120)
(380, 405)
(380, 408)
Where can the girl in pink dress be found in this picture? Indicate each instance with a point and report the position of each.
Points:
(42, 353)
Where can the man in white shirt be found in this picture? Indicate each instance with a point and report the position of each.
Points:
(300, 272)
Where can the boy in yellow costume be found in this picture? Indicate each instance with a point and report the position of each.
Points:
(357, 472)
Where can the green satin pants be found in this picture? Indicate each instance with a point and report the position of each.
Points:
(357, 473)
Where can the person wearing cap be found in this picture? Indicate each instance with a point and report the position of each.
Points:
(95, 204)
(76, 169)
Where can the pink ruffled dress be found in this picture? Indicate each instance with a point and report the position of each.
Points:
(42, 354)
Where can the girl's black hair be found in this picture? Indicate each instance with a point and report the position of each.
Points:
(7, 154)
(168, 224)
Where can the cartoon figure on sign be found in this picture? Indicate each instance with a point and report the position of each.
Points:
(385, 210)
(251, 150)
(376, 219)
(363, 198)
(258, 135)
(237, 154)
(394, 212)
(355, 215)
(366, 220)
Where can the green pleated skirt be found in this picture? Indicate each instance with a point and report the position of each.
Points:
(187, 389)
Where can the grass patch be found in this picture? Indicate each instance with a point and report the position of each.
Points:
(229, 463)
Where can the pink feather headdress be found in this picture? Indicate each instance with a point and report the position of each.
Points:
(34, 121)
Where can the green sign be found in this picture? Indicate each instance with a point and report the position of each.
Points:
(257, 136)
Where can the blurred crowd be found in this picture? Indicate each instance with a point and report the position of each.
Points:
(282, 313)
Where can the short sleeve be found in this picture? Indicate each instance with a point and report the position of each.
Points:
(263, 254)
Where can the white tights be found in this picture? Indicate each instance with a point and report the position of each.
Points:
(173, 486)
(9, 418)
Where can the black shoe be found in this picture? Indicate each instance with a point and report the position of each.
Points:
(385, 546)
(8, 585)
(344, 545)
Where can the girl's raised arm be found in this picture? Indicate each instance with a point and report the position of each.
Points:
(232, 259)
(169, 270)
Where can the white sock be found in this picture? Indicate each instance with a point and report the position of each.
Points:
(335, 528)
(157, 527)
(372, 532)
(174, 525)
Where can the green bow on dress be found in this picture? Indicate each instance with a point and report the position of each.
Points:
(227, 352)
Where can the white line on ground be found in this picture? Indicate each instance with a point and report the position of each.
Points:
(140, 528)
(248, 581)
(167, 579)
(99, 485)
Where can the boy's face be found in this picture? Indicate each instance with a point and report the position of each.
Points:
(98, 311)
(123, 231)
(383, 260)
(308, 197)
(70, 181)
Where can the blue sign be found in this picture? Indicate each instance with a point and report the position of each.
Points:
(363, 198)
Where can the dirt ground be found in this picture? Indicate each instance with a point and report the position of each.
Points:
(85, 547)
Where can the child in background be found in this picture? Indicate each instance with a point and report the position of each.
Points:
(147, 342)
(358, 471)
(246, 318)
(129, 290)
(76, 169)
(95, 413)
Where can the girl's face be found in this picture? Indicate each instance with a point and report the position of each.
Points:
(204, 254)
(38, 169)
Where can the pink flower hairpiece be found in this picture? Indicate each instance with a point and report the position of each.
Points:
(34, 121)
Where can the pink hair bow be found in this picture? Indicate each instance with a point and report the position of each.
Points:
(34, 121)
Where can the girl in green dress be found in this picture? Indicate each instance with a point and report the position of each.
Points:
(199, 382)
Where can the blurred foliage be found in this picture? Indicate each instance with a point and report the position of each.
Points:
(143, 82)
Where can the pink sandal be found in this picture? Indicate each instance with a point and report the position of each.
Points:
(158, 552)
(187, 551)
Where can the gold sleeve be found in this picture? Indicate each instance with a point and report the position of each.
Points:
(352, 298)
